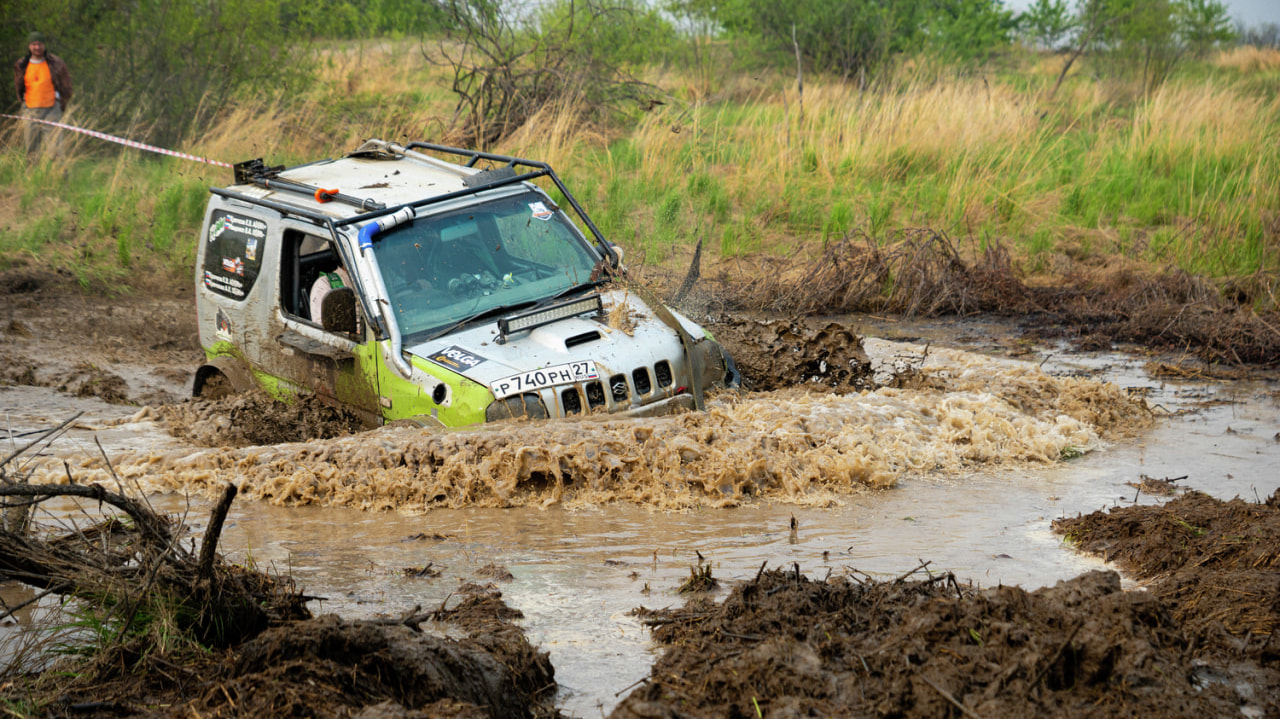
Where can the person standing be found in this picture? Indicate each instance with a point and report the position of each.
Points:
(43, 83)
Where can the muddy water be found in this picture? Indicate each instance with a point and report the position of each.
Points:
(970, 459)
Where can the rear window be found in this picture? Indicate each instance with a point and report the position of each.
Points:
(233, 254)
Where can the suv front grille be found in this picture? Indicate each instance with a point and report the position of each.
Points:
(642, 384)
(618, 388)
(595, 394)
(662, 371)
(571, 401)
(640, 377)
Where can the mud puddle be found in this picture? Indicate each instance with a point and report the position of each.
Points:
(974, 459)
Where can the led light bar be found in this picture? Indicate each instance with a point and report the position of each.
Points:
(547, 315)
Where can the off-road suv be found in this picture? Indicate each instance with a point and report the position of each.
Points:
(433, 291)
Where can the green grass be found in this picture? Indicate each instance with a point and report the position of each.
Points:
(1181, 177)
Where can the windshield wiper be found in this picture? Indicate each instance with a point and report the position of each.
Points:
(588, 285)
(479, 316)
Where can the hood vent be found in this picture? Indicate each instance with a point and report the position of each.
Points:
(581, 339)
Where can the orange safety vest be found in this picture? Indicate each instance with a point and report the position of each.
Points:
(39, 82)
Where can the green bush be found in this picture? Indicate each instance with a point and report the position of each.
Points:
(158, 70)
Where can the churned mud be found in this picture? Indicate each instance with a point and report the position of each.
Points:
(787, 645)
(1199, 641)
(1216, 563)
(256, 418)
(964, 411)
(470, 661)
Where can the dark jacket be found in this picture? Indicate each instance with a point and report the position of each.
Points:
(57, 69)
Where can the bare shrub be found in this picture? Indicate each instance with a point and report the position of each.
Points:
(917, 273)
(505, 68)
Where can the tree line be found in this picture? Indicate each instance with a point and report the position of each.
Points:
(161, 69)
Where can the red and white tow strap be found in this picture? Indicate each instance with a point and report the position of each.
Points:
(119, 140)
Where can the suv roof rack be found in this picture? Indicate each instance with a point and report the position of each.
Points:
(255, 172)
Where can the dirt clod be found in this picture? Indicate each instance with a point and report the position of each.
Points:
(774, 354)
(256, 418)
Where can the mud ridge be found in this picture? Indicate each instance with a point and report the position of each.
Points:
(927, 646)
(917, 272)
(1216, 562)
(256, 418)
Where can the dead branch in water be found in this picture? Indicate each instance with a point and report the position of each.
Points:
(132, 566)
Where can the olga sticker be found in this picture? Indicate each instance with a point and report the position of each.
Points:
(540, 211)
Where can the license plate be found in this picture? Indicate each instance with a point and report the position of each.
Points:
(537, 379)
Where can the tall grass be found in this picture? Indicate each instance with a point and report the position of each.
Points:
(1183, 176)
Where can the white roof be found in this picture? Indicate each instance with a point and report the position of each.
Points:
(392, 182)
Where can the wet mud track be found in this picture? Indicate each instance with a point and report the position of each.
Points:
(904, 647)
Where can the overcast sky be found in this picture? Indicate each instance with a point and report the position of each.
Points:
(1253, 12)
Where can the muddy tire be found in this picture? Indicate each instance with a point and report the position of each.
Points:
(216, 386)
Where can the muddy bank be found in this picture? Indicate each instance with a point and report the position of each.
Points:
(1216, 563)
(468, 661)
(149, 627)
(787, 645)
(1200, 642)
(125, 349)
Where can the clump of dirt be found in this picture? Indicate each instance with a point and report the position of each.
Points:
(773, 354)
(495, 572)
(82, 380)
(1216, 563)
(329, 667)
(163, 630)
(256, 418)
(87, 380)
(17, 371)
(24, 282)
(325, 667)
(785, 645)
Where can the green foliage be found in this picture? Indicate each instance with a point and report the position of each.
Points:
(621, 32)
(669, 211)
(968, 30)
(343, 19)
(832, 35)
(1133, 37)
(158, 69)
(1047, 23)
(1203, 24)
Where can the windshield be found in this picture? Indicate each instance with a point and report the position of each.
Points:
(510, 252)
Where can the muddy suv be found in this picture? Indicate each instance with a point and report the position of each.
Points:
(426, 289)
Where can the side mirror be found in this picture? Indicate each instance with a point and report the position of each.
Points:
(338, 311)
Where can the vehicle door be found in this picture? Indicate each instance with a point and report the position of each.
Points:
(336, 365)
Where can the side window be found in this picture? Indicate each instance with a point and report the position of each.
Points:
(234, 253)
(309, 269)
